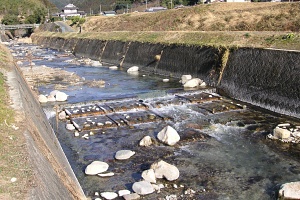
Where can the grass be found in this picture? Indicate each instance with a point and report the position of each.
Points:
(13, 154)
(236, 39)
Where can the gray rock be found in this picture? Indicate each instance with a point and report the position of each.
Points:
(290, 191)
(96, 167)
(163, 169)
(124, 154)
(142, 187)
(168, 135)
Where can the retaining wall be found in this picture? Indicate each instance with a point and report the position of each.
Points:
(54, 176)
(263, 77)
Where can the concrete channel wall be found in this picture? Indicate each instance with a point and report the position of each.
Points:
(54, 177)
(263, 77)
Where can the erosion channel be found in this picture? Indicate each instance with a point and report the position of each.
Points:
(224, 150)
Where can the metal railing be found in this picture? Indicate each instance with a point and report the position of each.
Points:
(18, 26)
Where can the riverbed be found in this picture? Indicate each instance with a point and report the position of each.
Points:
(224, 151)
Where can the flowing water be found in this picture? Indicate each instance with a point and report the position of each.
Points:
(222, 154)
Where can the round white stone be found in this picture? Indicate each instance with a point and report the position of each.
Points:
(109, 195)
(61, 96)
(113, 67)
(70, 127)
(163, 169)
(185, 78)
(142, 187)
(108, 174)
(192, 83)
(53, 93)
(124, 154)
(51, 98)
(133, 69)
(42, 98)
(168, 135)
(146, 141)
(290, 191)
(149, 175)
(123, 192)
(96, 167)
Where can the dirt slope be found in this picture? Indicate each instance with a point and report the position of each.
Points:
(208, 17)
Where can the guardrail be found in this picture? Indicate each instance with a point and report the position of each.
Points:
(18, 26)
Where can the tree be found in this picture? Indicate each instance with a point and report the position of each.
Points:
(38, 16)
(10, 19)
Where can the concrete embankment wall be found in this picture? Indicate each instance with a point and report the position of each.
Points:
(263, 77)
(54, 177)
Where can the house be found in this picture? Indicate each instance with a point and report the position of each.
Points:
(70, 11)
(155, 9)
(109, 13)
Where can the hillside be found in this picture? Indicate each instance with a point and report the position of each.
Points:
(207, 17)
(23, 7)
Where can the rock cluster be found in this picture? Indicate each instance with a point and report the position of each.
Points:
(53, 96)
(189, 82)
(286, 133)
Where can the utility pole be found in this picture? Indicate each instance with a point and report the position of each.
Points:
(100, 10)
(146, 5)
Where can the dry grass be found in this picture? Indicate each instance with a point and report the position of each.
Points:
(213, 17)
(13, 153)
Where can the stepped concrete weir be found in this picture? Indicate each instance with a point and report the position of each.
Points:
(224, 150)
(263, 77)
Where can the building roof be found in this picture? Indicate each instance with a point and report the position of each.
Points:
(70, 7)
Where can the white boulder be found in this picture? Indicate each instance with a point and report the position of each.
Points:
(132, 196)
(281, 133)
(149, 175)
(42, 98)
(290, 191)
(51, 98)
(146, 141)
(124, 154)
(96, 63)
(70, 127)
(113, 67)
(123, 192)
(194, 82)
(185, 78)
(142, 187)
(62, 115)
(163, 169)
(168, 135)
(133, 69)
(61, 96)
(108, 174)
(53, 93)
(96, 167)
(109, 195)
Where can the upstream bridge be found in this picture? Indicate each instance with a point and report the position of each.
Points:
(17, 26)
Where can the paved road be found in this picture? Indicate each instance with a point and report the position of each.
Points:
(64, 27)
